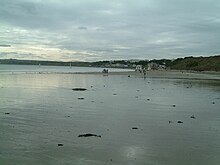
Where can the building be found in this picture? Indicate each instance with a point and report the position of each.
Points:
(138, 68)
(155, 66)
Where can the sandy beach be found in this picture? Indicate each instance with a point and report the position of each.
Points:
(119, 82)
(167, 74)
(92, 118)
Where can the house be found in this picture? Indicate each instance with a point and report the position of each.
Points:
(155, 66)
(138, 68)
(152, 66)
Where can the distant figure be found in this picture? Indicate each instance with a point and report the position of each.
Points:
(105, 71)
(144, 71)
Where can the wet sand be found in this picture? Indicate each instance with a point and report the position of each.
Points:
(120, 120)
(167, 74)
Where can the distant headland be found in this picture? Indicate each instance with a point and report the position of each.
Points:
(211, 63)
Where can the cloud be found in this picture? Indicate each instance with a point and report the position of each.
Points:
(15, 55)
(5, 45)
(117, 29)
(82, 28)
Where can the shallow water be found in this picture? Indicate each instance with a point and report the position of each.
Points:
(15, 69)
(44, 111)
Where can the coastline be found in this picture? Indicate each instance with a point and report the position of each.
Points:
(165, 74)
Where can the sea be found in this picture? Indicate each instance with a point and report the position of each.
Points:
(134, 120)
(5, 69)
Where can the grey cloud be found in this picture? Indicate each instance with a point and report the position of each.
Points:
(82, 28)
(118, 28)
(5, 45)
(7, 53)
(20, 55)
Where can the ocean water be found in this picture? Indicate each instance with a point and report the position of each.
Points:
(15, 69)
(40, 111)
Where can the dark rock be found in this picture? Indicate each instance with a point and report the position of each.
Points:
(170, 121)
(60, 144)
(179, 121)
(148, 99)
(7, 113)
(134, 127)
(192, 117)
(129, 75)
(114, 94)
(79, 89)
(81, 98)
(189, 86)
(213, 102)
(174, 105)
(89, 135)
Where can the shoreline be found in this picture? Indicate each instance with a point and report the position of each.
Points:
(166, 74)
(171, 74)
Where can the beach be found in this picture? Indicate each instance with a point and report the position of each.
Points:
(167, 118)
(119, 82)
(167, 74)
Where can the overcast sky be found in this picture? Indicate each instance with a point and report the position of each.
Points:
(90, 30)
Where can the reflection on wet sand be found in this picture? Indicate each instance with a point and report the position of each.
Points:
(122, 120)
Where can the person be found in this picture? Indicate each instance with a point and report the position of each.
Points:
(105, 71)
(144, 71)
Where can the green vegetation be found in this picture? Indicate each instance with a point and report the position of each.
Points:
(197, 63)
